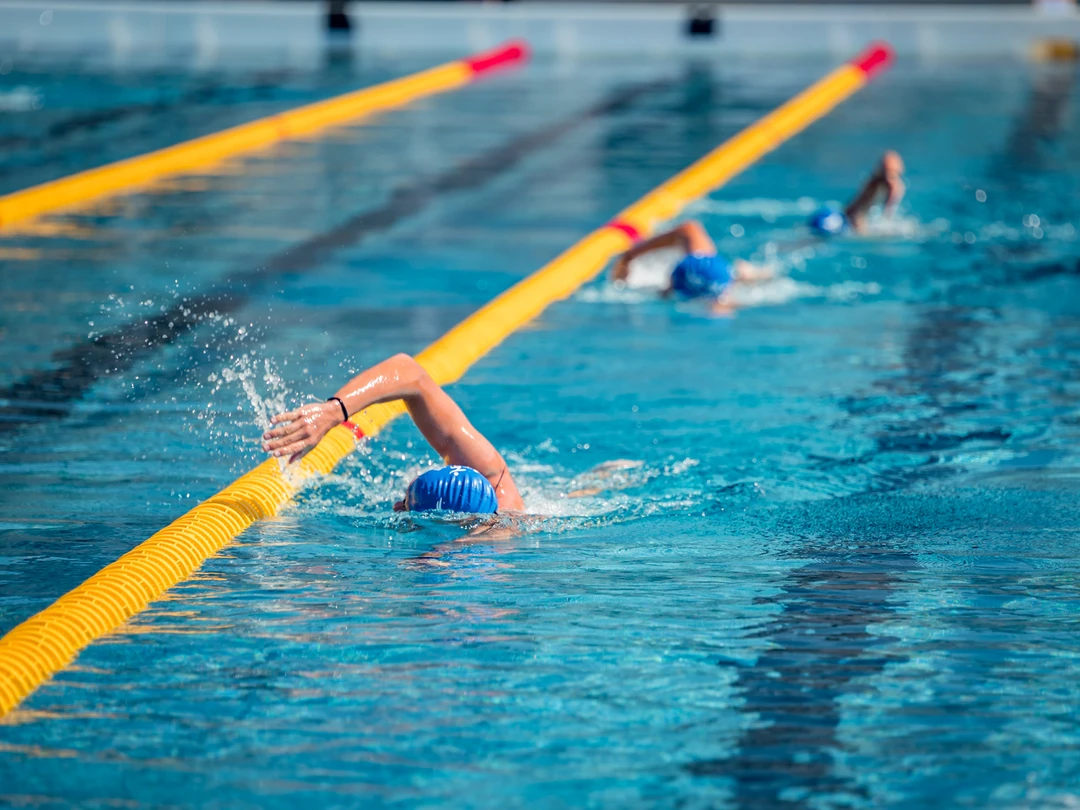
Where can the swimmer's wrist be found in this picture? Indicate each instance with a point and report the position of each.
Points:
(343, 410)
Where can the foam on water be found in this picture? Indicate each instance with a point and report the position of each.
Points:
(775, 292)
(784, 290)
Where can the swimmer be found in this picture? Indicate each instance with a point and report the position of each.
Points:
(701, 273)
(476, 481)
(885, 183)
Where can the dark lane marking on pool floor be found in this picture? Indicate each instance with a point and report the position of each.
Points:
(47, 393)
(817, 649)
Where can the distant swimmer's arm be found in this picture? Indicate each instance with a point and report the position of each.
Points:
(689, 236)
(891, 172)
(750, 273)
(859, 207)
(894, 195)
(438, 417)
(886, 179)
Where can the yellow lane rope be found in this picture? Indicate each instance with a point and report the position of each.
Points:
(126, 175)
(48, 641)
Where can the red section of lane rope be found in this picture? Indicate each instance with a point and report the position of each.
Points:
(516, 51)
(875, 58)
(626, 228)
(356, 431)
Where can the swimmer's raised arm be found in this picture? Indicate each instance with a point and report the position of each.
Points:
(895, 192)
(438, 417)
(689, 236)
(887, 180)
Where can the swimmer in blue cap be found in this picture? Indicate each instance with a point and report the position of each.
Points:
(476, 481)
(886, 183)
(701, 273)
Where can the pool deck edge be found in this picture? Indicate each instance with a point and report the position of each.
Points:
(206, 33)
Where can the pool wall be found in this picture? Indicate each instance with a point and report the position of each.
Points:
(297, 32)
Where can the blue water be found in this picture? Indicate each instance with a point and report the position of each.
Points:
(843, 572)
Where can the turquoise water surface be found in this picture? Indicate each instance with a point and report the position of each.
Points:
(840, 572)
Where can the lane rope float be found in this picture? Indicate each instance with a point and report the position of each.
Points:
(48, 641)
(199, 153)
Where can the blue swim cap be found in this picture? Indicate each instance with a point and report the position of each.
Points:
(698, 275)
(828, 221)
(452, 489)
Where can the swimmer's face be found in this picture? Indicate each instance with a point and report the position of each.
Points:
(403, 504)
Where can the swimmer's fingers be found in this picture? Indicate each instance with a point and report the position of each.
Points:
(282, 438)
(722, 308)
(307, 426)
(292, 421)
(288, 416)
(291, 449)
(278, 436)
(284, 430)
(296, 435)
(585, 492)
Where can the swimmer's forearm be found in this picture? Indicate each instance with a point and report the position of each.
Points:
(895, 195)
(672, 238)
(292, 433)
(396, 378)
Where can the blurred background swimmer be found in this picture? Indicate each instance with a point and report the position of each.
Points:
(476, 481)
(701, 273)
(885, 183)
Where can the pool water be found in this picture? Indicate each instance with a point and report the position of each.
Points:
(841, 572)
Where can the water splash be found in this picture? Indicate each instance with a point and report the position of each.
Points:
(246, 373)
(783, 290)
(778, 291)
(240, 399)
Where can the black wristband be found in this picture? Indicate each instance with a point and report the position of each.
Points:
(344, 410)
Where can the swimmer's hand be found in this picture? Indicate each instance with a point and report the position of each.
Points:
(620, 271)
(300, 430)
(603, 472)
(722, 308)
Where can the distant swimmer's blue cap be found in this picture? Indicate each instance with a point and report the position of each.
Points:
(700, 275)
(452, 489)
(828, 221)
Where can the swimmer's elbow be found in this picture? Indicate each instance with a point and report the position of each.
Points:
(690, 231)
(413, 370)
(406, 361)
(896, 194)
